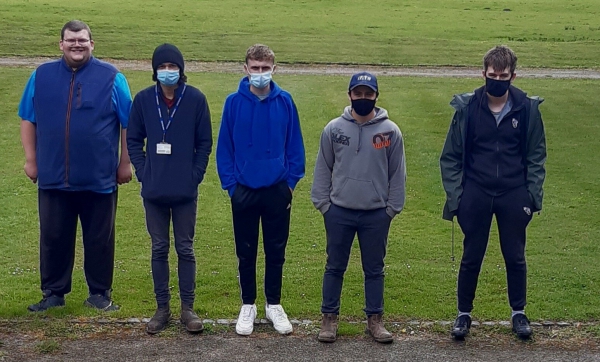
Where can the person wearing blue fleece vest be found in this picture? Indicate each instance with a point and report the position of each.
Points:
(260, 159)
(74, 114)
(169, 141)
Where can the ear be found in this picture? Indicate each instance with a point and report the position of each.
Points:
(483, 74)
(274, 68)
(514, 75)
(60, 45)
(246, 69)
(91, 45)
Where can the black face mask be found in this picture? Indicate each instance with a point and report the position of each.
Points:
(363, 107)
(496, 88)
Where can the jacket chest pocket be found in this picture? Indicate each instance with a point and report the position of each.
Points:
(86, 95)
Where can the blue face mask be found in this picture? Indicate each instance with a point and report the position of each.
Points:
(261, 80)
(168, 77)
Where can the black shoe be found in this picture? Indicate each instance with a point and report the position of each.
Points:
(48, 301)
(520, 325)
(159, 321)
(101, 302)
(461, 327)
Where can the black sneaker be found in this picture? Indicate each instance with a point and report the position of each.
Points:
(48, 301)
(461, 327)
(101, 302)
(520, 325)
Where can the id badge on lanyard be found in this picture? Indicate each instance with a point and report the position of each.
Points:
(164, 148)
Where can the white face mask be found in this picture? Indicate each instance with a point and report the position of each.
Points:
(261, 80)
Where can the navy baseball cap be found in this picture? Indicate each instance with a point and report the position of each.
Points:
(363, 78)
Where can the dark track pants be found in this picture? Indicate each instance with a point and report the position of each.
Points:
(372, 227)
(158, 220)
(270, 206)
(59, 211)
(513, 214)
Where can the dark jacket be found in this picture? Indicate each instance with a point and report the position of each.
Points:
(170, 178)
(454, 153)
(77, 129)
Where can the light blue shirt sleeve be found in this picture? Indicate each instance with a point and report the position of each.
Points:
(26, 110)
(121, 99)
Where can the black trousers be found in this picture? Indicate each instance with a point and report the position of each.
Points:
(271, 207)
(158, 220)
(513, 214)
(372, 228)
(59, 211)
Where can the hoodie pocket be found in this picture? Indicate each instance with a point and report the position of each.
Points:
(361, 194)
(262, 173)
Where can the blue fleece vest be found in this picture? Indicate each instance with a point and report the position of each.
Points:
(77, 129)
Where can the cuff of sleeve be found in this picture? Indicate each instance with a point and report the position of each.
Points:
(325, 208)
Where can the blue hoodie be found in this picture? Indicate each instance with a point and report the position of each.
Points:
(260, 142)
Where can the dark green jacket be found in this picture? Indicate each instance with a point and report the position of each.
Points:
(452, 159)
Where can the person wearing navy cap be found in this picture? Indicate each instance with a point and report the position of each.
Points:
(169, 142)
(359, 186)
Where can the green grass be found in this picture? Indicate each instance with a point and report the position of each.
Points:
(47, 347)
(545, 33)
(562, 250)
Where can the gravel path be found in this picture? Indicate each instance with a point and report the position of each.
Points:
(332, 69)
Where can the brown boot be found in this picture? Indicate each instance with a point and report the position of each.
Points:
(159, 321)
(377, 330)
(190, 320)
(329, 325)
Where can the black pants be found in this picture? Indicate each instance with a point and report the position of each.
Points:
(513, 214)
(59, 211)
(372, 228)
(158, 220)
(270, 206)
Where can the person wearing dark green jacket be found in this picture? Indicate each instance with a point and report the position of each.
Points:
(492, 163)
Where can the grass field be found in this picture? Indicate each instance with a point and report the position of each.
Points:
(564, 275)
(545, 33)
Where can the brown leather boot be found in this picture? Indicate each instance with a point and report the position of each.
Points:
(377, 330)
(329, 325)
(159, 321)
(190, 320)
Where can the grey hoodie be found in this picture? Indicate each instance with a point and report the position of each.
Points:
(360, 167)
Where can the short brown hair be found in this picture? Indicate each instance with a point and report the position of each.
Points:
(260, 52)
(500, 57)
(75, 26)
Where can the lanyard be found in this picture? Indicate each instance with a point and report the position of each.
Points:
(172, 115)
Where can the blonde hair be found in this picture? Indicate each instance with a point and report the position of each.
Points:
(260, 52)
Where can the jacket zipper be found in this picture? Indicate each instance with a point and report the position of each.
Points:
(67, 126)
(79, 95)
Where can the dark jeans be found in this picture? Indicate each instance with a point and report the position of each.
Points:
(158, 220)
(270, 206)
(372, 227)
(59, 211)
(475, 217)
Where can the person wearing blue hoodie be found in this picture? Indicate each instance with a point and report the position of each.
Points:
(260, 159)
(171, 119)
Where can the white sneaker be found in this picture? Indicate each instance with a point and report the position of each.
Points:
(245, 322)
(280, 320)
